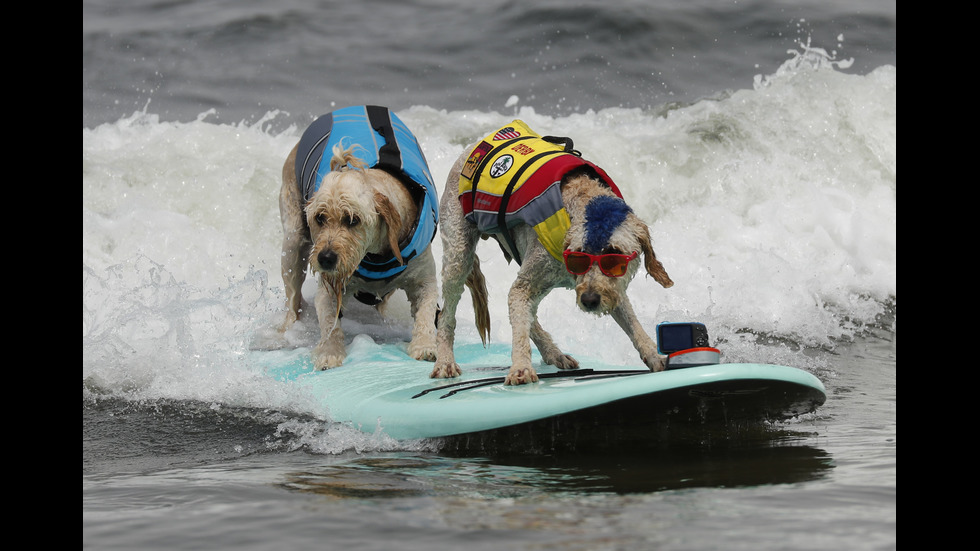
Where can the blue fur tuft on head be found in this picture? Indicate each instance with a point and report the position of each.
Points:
(603, 215)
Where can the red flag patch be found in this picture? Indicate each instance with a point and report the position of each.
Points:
(506, 133)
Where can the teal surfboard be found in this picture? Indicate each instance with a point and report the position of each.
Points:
(380, 389)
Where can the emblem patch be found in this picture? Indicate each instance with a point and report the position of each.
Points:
(473, 161)
(506, 133)
(501, 166)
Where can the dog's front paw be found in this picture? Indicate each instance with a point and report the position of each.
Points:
(326, 359)
(655, 362)
(552, 355)
(287, 323)
(323, 363)
(520, 376)
(423, 353)
(445, 370)
(564, 361)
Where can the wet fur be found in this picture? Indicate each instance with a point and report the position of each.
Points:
(355, 211)
(540, 273)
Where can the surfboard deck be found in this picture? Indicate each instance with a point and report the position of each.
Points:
(380, 388)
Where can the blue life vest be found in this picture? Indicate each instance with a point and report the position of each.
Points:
(385, 143)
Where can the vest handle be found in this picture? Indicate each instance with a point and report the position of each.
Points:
(565, 142)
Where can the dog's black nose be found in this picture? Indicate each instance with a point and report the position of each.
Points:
(591, 300)
(327, 259)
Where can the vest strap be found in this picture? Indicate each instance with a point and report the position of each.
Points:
(389, 156)
(502, 212)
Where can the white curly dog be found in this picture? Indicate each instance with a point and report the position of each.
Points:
(563, 220)
(358, 208)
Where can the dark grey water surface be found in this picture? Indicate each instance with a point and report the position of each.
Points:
(244, 58)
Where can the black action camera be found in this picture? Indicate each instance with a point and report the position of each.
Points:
(672, 337)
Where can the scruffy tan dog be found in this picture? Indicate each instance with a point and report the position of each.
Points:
(560, 214)
(356, 231)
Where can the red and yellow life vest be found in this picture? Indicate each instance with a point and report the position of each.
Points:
(513, 177)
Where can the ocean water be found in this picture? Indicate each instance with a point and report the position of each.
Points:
(757, 139)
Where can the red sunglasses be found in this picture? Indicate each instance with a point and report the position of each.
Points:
(612, 265)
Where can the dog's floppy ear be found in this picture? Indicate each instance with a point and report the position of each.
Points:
(392, 220)
(653, 266)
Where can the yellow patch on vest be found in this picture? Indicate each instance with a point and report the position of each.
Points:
(495, 163)
(551, 233)
(504, 162)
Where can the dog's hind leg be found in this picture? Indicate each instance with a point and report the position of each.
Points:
(624, 316)
(295, 258)
(456, 268)
(459, 239)
(295, 242)
(521, 303)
